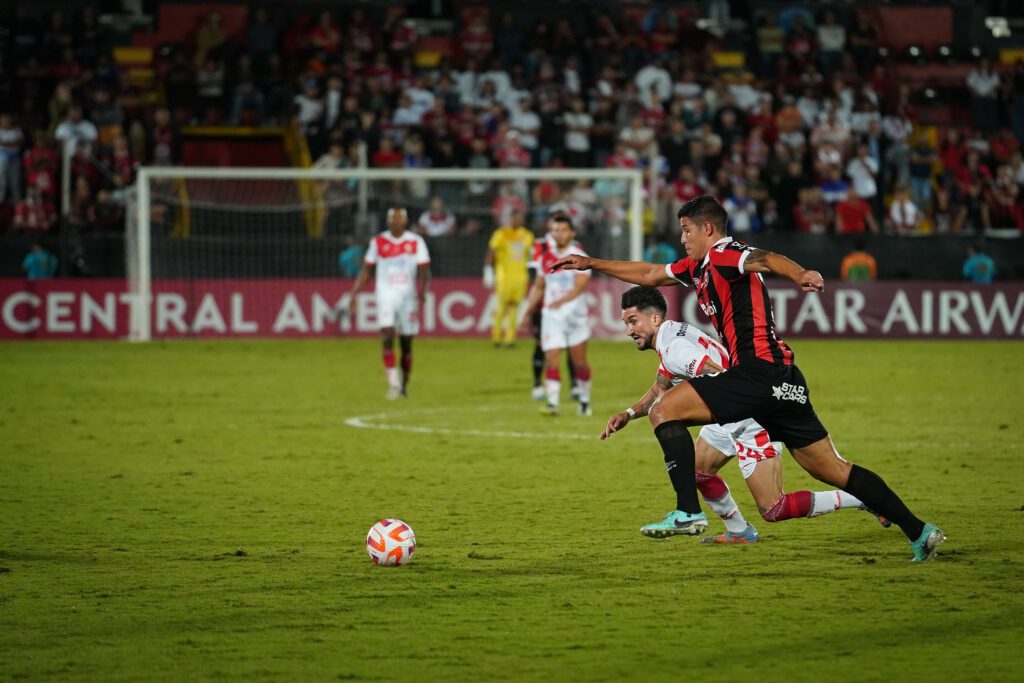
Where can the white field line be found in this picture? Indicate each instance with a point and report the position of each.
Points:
(371, 422)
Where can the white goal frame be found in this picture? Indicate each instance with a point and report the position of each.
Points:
(138, 254)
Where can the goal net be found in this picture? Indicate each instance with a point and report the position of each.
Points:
(267, 252)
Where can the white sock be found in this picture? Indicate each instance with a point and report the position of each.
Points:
(825, 502)
(583, 387)
(726, 508)
(553, 388)
(393, 379)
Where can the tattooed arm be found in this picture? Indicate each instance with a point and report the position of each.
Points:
(619, 420)
(761, 261)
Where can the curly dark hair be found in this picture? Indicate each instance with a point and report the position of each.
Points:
(644, 298)
(705, 208)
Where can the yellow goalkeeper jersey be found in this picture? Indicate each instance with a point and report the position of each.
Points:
(511, 247)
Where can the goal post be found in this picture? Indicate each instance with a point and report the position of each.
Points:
(192, 231)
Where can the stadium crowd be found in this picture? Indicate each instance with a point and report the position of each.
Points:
(810, 133)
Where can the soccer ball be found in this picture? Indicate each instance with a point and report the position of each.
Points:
(390, 543)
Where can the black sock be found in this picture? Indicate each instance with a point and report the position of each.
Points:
(538, 365)
(572, 371)
(881, 500)
(677, 444)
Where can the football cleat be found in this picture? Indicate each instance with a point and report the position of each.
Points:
(538, 393)
(748, 535)
(574, 393)
(549, 410)
(584, 409)
(394, 393)
(927, 543)
(675, 523)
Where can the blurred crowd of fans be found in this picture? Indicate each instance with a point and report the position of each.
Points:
(817, 137)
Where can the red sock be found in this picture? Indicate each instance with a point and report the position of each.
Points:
(711, 486)
(796, 504)
(552, 374)
(389, 358)
(583, 374)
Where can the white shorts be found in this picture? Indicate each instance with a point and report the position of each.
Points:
(399, 312)
(746, 439)
(561, 331)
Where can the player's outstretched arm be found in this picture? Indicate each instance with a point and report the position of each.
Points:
(761, 261)
(618, 421)
(634, 272)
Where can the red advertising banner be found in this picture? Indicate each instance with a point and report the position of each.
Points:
(100, 309)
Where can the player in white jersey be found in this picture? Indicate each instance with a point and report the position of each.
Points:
(401, 263)
(564, 322)
(685, 353)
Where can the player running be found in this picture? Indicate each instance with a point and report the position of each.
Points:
(508, 253)
(564, 322)
(762, 382)
(541, 247)
(685, 353)
(401, 262)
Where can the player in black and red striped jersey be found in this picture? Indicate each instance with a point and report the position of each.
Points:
(763, 382)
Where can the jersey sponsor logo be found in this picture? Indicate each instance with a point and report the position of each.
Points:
(388, 249)
(790, 392)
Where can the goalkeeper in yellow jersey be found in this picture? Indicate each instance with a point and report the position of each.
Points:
(508, 254)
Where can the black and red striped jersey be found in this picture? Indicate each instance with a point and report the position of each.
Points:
(736, 301)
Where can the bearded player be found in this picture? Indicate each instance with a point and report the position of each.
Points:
(401, 263)
(763, 381)
(685, 353)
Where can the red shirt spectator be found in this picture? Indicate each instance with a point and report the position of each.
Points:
(685, 190)
(477, 40)
(853, 216)
(325, 35)
(34, 213)
(387, 156)
(360, 32)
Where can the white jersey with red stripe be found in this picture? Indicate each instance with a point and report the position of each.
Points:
(397, 260)
(685, 351)
(560, 283)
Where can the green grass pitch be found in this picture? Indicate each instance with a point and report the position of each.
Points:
(198, 510)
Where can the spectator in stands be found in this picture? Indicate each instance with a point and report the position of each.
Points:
(983, 84)
(209, 39)
(979, 267)
(812, 214)
(896, 169)
(834, 187)
(577, 135)
(11, 140)
(904, 216)
(853, 215)
(164, 143)
(831, 41)
(658, 250)
(743, 216)
(106, 214)
(350, 260)
(945, 215)
(107, 115)
(527, 124)
(262, 36)
(246, 93)
(862, 170)
(436, 221)
(209, 91)
(39, 264)
(922, 159)
(1003, 200)
(858, 265)
(34, 213)
(800, 43)
(74, 131)
(976, 208)
(638, 139)
(309, 107)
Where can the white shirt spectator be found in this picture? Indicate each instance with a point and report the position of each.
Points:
(809, 108)
(904, 216)
(831, 38)
(860, 121)
(407, 116)
(437, 224)
(528, 124)
(310, 110)
(983, 83)
(502, 83)
(687, 89)
(653, 74)
(862, 171)
(73, 134)
(575, 140)
(897, 128)
(421, 100)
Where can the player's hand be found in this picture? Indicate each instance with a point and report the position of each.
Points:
(811, 281)
(555, 305)
(615, 423)
(572, 262)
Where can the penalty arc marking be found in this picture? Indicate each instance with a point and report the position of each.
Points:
(372, 422)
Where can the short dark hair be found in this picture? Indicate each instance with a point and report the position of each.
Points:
(705, 208)
(643, 298)
(563, 218)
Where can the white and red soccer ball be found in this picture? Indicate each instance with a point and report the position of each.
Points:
(390, 543)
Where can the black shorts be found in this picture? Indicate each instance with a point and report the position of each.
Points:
(774, 395)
